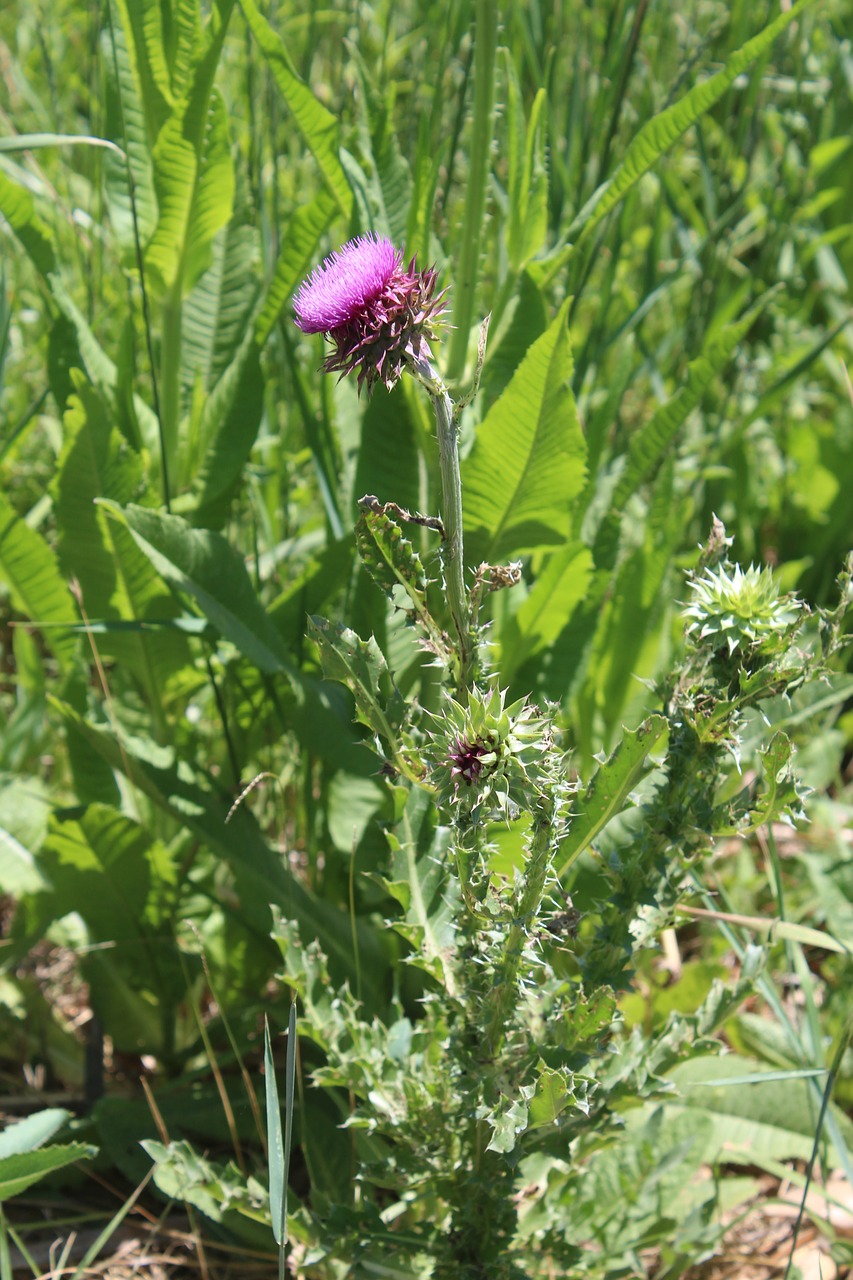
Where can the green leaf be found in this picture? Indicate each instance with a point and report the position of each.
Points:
(204, 566)
(227, 431)
(360, 665)
(419, 881)
(528, 459)
(608, 789)
(18, 208)
(658, 134)
(32, 1132)
(193, 174)
(552, 1096)
(21, 1171)
(215, 312)
(318, 126)
(259, 874)
(388, 186)
(298, 250)
(549, 606)
(28, 568)
(528, 173)
(19, 872)
(649, 443)
(127, 123)
(117, 581)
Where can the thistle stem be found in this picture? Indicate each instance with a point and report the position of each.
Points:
(451, 514)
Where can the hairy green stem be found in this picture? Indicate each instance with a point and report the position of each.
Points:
(451, 514)
(465, 281)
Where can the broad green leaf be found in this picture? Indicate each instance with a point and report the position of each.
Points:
(193, 179)
(259, 874)
(227, 431)
(552, 600)
(19, 872)
(658, 134)
(116, 580)
(103, 373)
(18, 208)
(528, 459)
(318, 126)
(608, 790)
(204, 566)
(19, 1172)
(649, 443)
(32, 1132)
(215, 312)
(127, 123)
(298, 250)
(773, 1119)
(29, 570)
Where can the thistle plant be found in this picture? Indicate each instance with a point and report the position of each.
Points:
(517, 1053)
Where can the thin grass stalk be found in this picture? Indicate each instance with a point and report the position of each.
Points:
(482, 133)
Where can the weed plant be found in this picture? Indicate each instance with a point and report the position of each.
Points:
(577, 584)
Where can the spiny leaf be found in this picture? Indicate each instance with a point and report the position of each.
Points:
(608, 789)
(361, 666)
(202, 565)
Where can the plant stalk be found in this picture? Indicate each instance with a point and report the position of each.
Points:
(170, 379)
(482, 133)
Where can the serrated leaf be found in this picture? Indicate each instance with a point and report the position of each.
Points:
(32, 1132)
(19, 1172)
(360, 665)
(528, 459)
(215, 312)
(318, 127)
(553, 1094)
(193, 173)
(420, 882)
(204, 566)
(608, 789)
(658, 135)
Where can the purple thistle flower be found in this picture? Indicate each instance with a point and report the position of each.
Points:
(378, 313)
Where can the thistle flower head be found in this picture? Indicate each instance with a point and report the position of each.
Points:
(738, 609)
(378, 314)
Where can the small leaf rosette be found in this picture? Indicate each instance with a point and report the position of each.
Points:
(378, 314)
